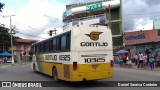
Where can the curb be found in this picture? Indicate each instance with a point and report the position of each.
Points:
(135, 67)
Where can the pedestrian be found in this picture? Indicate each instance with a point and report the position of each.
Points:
(117, 60)
(120, 61)
(1, 60)
(151, 60)
(140, 60)
(129, 61)
(136, 58)
(158, 61)
(132, 58)
(5, 60)
(124, 59)
(144, 60)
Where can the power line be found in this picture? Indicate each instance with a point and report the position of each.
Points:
(142, 13)
(130, 19)
(30, 35)
(34, 29)
(129, 27)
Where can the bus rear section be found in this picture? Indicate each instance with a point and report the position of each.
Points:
(91, 53)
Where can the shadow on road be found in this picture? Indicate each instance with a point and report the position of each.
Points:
(81, 84)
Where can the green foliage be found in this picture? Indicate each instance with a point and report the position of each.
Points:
(5, 39)
(1, 6)
(5, 36)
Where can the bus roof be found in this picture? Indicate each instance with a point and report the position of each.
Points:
(52, 37)
(67, 30)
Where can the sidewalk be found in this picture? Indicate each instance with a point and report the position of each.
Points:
(135, 67)
(10, 64)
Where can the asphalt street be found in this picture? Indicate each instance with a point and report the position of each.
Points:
(25, 73)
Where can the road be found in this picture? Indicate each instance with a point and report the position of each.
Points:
(25, 73)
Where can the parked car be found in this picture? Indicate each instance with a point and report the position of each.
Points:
(9, 61)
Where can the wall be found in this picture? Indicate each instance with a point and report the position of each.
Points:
(137, 37)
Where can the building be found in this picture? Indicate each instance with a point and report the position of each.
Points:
(22, 48)
(139, 41)
(101, 12)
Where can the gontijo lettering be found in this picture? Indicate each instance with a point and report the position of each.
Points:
(95, 44)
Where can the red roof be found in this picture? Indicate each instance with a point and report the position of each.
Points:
(26, 40)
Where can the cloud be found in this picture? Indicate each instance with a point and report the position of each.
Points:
(18, 1)
(79, 1)
(40, 15)
(145, 10)
(43, 15)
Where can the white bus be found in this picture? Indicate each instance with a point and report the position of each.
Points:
(83, 52)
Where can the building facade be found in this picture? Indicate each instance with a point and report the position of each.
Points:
(100, 12)
(139, 41)
(22, 49)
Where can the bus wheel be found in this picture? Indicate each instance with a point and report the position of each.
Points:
(55, 74)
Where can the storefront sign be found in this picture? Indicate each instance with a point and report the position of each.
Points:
(133, 37)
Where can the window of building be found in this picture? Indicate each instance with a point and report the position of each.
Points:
(115, 28)
(115, 14)
(18, 47)
(83, 18)
(158, 32)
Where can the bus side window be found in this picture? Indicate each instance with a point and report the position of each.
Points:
(54, 44)
(59, 44)
(68, 43)
(50, 46)
(41, 48)
(44, 47)
(47, 46)
(63, 43)
(32, 49)
(38, 48)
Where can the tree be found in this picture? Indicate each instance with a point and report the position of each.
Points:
(1, 6)
(5, 36)
(5, 39)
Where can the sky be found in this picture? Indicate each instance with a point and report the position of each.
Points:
(139, 14)
(34, 18)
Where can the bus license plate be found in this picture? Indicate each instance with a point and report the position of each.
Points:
(95, 66)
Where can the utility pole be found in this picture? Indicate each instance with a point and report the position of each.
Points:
(109, 8)
(11, 38)
(11, 32)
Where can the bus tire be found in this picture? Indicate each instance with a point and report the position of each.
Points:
(55, 74)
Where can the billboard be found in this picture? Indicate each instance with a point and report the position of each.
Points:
(156, 24)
